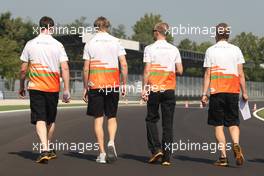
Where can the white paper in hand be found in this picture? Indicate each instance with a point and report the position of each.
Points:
(244, 109)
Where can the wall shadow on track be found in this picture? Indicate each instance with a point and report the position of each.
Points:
(256, 160)
(198, 160)
(26, 155)
(142, 159)
(81, 156)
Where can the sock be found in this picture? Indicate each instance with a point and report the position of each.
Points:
(111, 143)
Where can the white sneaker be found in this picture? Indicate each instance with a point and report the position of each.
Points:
(111, 152)
(101, 158)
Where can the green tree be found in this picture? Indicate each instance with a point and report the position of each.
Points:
(16, 29)
(119, 31)
(248, 43)
(80, 22)
(143, 29)
(187, 44)
(252, 49)
(261, 49)
(14, 33)
(202, 47)
(9, 62)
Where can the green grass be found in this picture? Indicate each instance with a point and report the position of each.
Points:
(13, 107)
(20, 107)
(261, 113)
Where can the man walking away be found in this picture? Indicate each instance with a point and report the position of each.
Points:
(225, 76)
(163, 61)
(41, 59)
(102, 55)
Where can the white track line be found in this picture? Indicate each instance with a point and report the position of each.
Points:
(84, 106)
(255, 114)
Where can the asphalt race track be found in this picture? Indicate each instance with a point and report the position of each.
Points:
(17, 136)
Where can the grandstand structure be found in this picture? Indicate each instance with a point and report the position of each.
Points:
(74, 45)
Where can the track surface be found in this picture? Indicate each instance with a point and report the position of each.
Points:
(17, 136)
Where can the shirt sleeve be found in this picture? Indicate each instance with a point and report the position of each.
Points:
(63, 56)
(86, 54)
(147, 55)
(121, 49)
(25, 54)
(207, 59)
(240, 57)
(178, 59)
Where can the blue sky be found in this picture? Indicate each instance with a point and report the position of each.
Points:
(241, 15)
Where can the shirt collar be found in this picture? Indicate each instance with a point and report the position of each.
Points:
(160, 41)
(101, 33)
(44, 35)
(222, 42)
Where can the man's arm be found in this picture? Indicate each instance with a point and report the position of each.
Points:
(124, 72)
(146, 75)
(66, 79)
(179, 68)
(86, 73)
(145, 83)
(242, 81)
(207, 75)
(23, 74)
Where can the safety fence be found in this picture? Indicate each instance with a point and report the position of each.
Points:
(187, 88)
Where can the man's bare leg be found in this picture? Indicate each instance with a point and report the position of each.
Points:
(235, 133)
(52, 151)
(220, 137)
(112, 128)
(41, 129)
(111, 150)
(51, 129)
(99, 133)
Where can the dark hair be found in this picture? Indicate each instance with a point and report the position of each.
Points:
(222, 31)
(102, 23)
(46, 22)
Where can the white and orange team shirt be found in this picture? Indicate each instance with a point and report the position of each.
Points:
(44, 55)
(162, 56)
(223, 59)
(103, 51)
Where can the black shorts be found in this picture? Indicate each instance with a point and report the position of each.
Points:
(223, 109)
(43, 106)
(102, 103)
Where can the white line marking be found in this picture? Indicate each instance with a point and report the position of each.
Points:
(258, 117)
(84, 106)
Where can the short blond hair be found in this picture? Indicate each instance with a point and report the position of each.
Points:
(162, 28)
(102, 23)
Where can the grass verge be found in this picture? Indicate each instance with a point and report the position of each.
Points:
(21, 107)
(261, 113)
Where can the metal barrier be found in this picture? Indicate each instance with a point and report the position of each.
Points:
(187, 88)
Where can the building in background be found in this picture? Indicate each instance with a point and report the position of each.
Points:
(188, 86)
(74, 45)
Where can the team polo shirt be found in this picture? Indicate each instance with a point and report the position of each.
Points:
(223, 59)
(103, 51)
(162, 56)
(44, 55)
